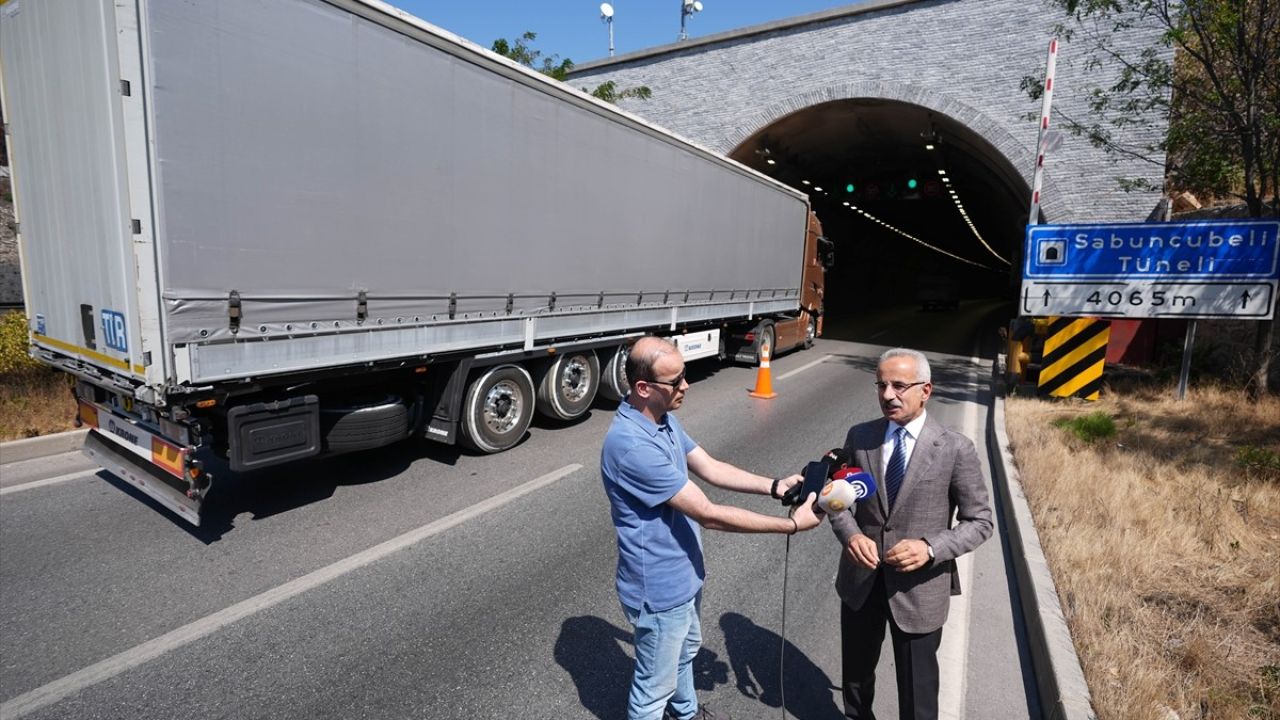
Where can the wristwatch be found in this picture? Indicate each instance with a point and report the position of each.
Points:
(930, 547)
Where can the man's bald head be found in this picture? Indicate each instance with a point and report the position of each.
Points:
(644, 354)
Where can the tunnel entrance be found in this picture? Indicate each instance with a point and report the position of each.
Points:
(917, 204)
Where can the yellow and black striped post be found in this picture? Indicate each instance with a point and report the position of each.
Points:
(1075, 351)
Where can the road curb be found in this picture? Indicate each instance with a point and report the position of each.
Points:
(1064, 695)
(42, 446)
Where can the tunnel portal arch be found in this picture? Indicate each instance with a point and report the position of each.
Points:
(850, 90)
(962, 59)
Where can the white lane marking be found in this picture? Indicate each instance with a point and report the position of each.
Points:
(802, 368)
(49, 481)
(150, 650)
(954, 650)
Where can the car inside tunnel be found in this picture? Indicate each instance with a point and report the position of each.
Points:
(920, 208)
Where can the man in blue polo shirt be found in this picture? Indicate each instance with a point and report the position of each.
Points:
(658, 514)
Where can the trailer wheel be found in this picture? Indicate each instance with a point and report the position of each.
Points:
(568, 384)
(497, 409)
(811, 332)
(363, 423)
(613, 381)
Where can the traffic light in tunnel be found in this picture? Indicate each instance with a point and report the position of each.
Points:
(850, 188)
(912, 184)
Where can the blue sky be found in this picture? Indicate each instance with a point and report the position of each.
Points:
(573, 29)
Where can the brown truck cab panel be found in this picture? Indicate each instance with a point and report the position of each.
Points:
(819, 255)
(796, 330)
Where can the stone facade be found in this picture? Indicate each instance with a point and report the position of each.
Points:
(961, 58)
(10, 272)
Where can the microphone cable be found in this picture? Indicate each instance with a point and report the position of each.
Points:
(782, 650)
(863, 488)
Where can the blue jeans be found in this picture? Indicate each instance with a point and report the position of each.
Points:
(666, 643)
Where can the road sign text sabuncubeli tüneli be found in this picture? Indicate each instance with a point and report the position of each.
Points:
(1221, 269)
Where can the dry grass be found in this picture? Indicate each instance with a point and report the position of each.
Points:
(34, 399)
(1164, 540)
(35, 403)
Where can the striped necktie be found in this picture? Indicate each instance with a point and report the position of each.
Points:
(897, 467)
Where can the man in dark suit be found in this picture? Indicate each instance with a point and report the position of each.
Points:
(898, 564)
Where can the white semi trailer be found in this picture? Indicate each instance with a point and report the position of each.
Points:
(275, 230)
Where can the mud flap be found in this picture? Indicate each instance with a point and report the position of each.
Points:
(165, 489)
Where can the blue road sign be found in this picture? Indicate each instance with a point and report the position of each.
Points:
(1182, 251)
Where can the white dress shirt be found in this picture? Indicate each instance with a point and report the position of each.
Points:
(913, 432)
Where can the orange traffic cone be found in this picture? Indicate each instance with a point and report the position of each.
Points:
(764, 377)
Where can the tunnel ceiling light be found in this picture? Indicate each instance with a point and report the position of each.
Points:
(771, 161)
(805, 182)
(815, 187)
(955, 197)
(928, 147)
(964, 214)
(934, 248)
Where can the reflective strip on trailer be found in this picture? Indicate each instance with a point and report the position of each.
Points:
(87, 353)
(165, 455)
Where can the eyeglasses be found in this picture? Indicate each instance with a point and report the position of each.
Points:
(898, 387)
(673, 384)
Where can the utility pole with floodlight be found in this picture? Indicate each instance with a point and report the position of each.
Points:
(606, 15)
(687, 8)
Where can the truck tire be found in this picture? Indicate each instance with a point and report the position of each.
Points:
(363, 423)
(613, 381)
(765, 335)
(568, 384)
(497, 409)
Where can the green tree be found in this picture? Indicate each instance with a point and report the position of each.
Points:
(523, 52)
(1219, 90)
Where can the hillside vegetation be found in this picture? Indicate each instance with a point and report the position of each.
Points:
(1161, 522)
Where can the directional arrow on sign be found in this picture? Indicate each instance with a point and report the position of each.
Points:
(1026, 299)
(1138, 299)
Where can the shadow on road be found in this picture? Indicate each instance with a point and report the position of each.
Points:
(954, 380)
(270, 491)
(590, 650)
(753, 655)
(973, 329)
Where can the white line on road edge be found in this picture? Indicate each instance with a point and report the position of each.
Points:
(48, 481)
(802, 368)
(112, 666)
(954, 650)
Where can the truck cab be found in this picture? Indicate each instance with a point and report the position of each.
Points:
(798, 330)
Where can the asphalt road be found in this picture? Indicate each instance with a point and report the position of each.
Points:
(415, 582)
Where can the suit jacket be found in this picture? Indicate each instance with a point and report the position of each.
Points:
(943, 476)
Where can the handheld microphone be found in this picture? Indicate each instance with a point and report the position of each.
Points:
(847, 487)
(838, 458)
(816, 474)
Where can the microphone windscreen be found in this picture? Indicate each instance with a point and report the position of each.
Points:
(863, 485)
(838, 459)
